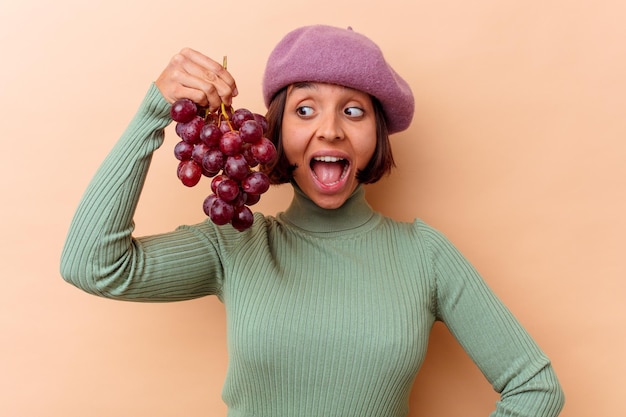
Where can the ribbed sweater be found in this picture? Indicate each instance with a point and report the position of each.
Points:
(328, 311)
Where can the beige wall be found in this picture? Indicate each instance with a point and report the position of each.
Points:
(517, 153)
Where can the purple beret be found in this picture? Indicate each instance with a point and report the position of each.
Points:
(327, 54)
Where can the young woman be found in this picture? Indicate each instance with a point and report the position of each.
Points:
(329, 304)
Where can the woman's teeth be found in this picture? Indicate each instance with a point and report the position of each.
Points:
(327, 159)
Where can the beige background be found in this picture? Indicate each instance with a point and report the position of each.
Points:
(517, 153)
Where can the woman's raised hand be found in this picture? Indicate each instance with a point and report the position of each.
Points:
(192, 75)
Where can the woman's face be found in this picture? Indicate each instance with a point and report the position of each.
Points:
(328, 133)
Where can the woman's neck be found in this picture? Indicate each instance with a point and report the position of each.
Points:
(305, 214)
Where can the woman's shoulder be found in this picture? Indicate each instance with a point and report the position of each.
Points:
(417, 226)
(416, 232)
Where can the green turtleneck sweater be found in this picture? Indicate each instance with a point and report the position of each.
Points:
(328, 311)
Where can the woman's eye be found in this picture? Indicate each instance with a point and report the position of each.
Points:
(354, 112)
(304, 111)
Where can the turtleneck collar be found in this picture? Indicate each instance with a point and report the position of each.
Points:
(305, 214)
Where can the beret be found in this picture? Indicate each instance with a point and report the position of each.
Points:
(327, 54)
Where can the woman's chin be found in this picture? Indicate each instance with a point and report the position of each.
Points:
(329, 196)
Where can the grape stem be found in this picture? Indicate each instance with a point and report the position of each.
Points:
(223, 106)
(225, 115)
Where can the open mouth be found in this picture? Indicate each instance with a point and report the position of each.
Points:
(329, 170)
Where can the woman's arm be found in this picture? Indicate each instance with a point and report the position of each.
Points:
(100, 255)
(505, 353)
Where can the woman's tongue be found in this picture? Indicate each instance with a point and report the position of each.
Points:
(327, 173)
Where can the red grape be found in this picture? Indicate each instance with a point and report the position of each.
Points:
(189, 172)
(264, 151)
(215, 182)
(262, 121)
(210, 134)
(231, 143)
(190, 131)
(183, 110)
(255, 183)
(241, 115)
(242, 218)
(225, 126)
(208, 202)
(213, 160)
(221, 212)
(208, 173)
(228, 189)
(250, 131)
(199, 149)
(183, 150)
(236, 167)
(251, 199)
(179, 129)
(247, 153)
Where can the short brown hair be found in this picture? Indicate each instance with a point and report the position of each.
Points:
(280, 171)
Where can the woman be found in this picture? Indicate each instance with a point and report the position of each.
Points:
(329, 304)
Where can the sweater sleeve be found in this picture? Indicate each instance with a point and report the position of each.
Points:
(102, 257)
(494, 339)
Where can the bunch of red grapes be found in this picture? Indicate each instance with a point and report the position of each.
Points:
(224, 145)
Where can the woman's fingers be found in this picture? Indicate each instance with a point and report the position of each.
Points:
(210, 77)
(190, 74)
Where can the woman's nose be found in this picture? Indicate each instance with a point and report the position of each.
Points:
(329, 127)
